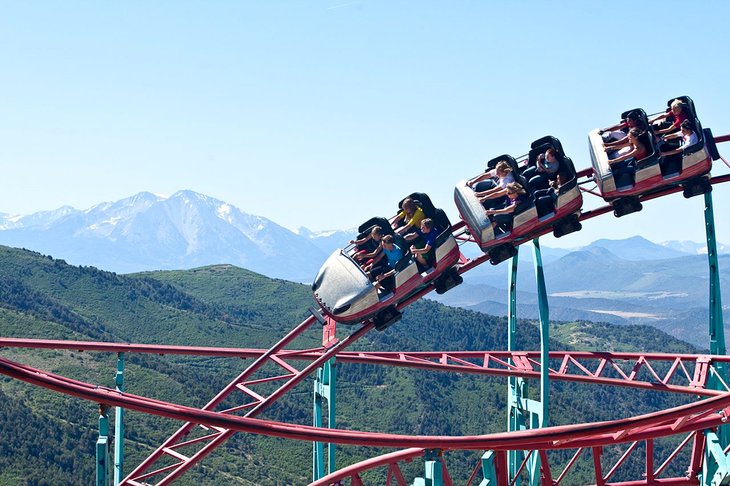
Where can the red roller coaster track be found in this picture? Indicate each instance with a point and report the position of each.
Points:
(687, 374)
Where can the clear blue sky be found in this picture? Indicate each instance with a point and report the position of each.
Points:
(324, 113)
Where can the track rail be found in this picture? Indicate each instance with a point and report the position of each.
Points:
(684, 373)
(707, 413)
(199, 447)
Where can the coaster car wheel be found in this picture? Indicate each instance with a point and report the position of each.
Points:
(567, 225)
(626, 205)
(448, 281)
(695, 187)
(500, 253)
(386, 318)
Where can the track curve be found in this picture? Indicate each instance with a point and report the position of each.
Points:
(707, 413)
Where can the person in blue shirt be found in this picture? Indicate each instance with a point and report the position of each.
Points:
(392, 251)
(424, 251)
(384, 268)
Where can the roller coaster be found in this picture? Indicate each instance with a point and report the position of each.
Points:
(530, 451)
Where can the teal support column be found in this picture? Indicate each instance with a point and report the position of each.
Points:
(716, 465)
(434, 473)
(102, 447)
(512, 303)
(325, 385)
(119, 424)
(538, 410)
(517, 387)
(524, 413)
(317, 447)
(489, 470)
(717, 329)
(544, 333)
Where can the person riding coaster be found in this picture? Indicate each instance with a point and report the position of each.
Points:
(547, 204)
(348, 293)
(651, 168)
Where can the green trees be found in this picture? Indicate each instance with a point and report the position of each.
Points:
(47, 438)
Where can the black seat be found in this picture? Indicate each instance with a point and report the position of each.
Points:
(648, 140)
(565, 169)
(546, 199)
(364, 229)
(442, 225)
(421, 200)
(569, 173)
(548, 140)
(507, 158)
(696, 125)
(640, 114)
(368, 225)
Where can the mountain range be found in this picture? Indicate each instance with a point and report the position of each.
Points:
(150, 232)
(597, 285)
(620, 281)
(188, 229)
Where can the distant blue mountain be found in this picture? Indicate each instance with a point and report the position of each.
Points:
(636, 248)
(595, 284)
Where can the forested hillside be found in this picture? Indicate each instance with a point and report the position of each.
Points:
(46, 438)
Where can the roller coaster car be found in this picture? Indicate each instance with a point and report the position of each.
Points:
(345, 292)
(654, 172)
(540, 211)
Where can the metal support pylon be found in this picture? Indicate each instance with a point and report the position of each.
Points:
(434, 471)
(716, 463)
(540, 419)
(325, 388)
(517, 387)
(102, 447)
(119, 424)
(522, 412)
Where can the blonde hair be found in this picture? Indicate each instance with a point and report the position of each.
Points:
(503, 166)
(515, 187)
(676, 103)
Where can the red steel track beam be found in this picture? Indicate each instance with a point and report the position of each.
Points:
(379, 461)
(457, 362)
(183, 431)
(308, 354)
(260, 405)
(700, 415)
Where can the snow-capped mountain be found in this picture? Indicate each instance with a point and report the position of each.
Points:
(327, 241)
(39, 219)
(150, 232)
(693, 248)
(188, 229)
